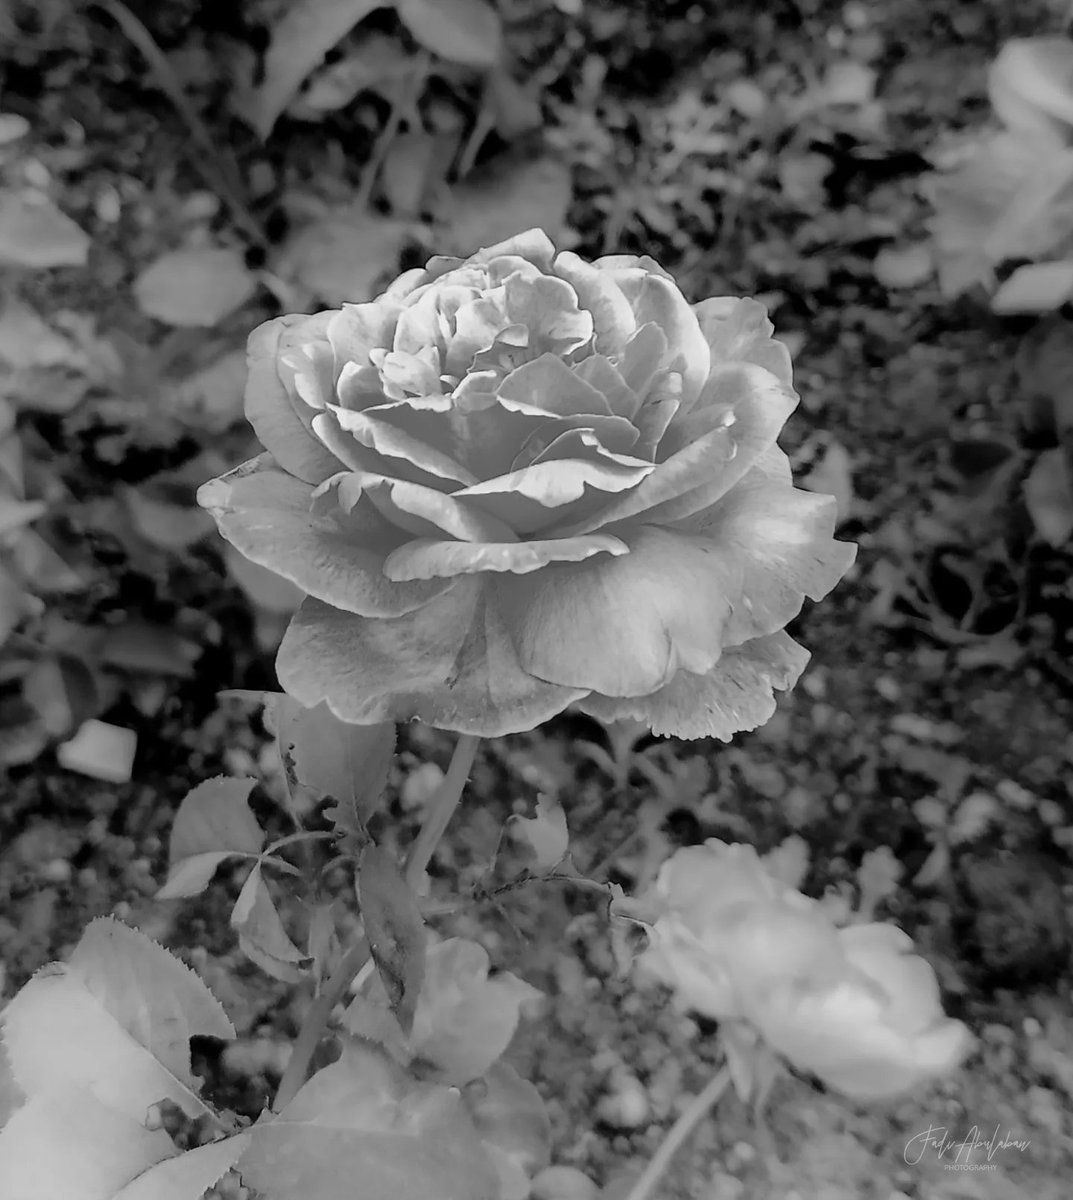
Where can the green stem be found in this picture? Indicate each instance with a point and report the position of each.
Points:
(316, 1021)
(441, 809)
(677, 1134)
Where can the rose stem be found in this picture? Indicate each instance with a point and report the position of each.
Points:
(316, 1020)
(677, 1134)
(441, 808)
(443, 805)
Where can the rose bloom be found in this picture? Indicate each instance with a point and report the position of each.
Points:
(854, 1006)
(1030, 85)
(521, 481)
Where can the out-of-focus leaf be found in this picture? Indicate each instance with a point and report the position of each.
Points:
(11, 602)
(561, 1182)
(361, 1123)
(464, 1020)
(261, 936)
(194, 288)
(404, 177)
(979, 458)
(211, 398)
(904, 266)
(510, 1115)
(13, 127)
(213, 823)
(936, 867)
(462, 31)
(515, 107)
(974, 814)
(1035, 288)
(306, 31)
(506, 196)
(877, 878)
(14, 514)
(138, 645)
(170, 526)
(342, 255)
(395, 930)
(63, 691)
(1048, 492)
(101, 751)
(34, 233)
(546, 834)
(376, 64)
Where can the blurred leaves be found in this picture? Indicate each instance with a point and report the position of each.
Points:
(35, 234)
(462, 31)
(342, 255)
(194, 287)
(306, 31)
(1049, 495)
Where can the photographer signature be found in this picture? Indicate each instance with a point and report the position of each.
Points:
(945, 1145)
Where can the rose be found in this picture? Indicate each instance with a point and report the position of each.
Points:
(1030, 85)
(728, 929)
(853, 1006)
(522, 480)
(874, 1030)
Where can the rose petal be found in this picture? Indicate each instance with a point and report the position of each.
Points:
(732, 436)
(548, 309)
(782, 536)
(656, 298)
(534, 497)
(428, 559)
(700, 981)
(268, 516)
(476, 326)
(596, 291)
(641, 362)
(406, 375)
(423, 511)
(738, 330)
(663, 400)
(356, 329)
(381, 429)
(405, 285)
(546, 387)
(623, 626)
(533, 245)
(840, 1035)
(734, 696)
(614, 434)
(604, 376)
(623, 262)
(281, 420)
(749, 392)
(884, 954)
(450, 664)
